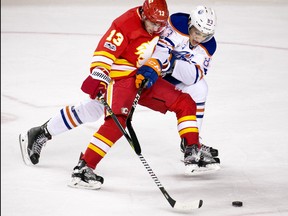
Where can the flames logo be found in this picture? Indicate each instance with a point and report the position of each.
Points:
(145, 50)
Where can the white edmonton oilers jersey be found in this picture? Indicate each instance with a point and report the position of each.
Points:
(182, 62)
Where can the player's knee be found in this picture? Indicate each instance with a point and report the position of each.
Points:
(185, 103)
(108, 129)
(110, 122)
(88, 111)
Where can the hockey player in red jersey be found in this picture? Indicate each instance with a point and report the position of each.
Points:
(125, 47)
(127, 44)
(120, 63)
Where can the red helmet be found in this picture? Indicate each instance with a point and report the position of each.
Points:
(156, 11)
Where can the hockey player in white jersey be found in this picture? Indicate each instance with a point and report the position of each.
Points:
(185, 50)
(191, 81)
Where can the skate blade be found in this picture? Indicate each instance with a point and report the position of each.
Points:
(78, 183)
(208, 169)
(23, 141)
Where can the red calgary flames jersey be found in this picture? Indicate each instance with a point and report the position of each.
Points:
(125, 46)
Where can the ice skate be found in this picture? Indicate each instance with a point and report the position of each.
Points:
(198, 163)
(32, 142)
(205, 150)
(208, 151)
(84, 177)
(191, 158)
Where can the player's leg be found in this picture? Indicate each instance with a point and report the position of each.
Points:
(199, 92)
(120, 95)
(163, 97)
(33, 140)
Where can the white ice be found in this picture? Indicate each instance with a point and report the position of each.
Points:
(46, 48)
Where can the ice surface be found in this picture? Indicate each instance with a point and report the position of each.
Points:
(46, 48)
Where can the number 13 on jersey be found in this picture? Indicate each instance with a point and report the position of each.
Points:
(115, 37)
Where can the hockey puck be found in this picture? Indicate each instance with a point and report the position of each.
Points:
(237, 203)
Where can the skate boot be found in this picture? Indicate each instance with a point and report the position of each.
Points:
(84, 177)
(206, 150)
(196, 162)
(209, 154)
(32, 142)
(192, 157)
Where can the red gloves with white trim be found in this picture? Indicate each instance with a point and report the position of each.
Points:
(96, 82)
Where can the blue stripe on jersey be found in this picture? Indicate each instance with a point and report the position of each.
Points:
(180, 22)
(210, 46)
(197, 74)
(64, 119)
(76, 116)
(169, 41)
(199, 116)
(160, 45)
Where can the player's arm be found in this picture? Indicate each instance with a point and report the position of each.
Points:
(193, 70)
(166, 44)
(188, 73)
(109, 48)
(152, 68)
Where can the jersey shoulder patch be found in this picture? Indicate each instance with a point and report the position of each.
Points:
(179, 21)
(210, 46)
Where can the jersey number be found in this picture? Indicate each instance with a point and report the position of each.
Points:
(116, 38)
(206, 62)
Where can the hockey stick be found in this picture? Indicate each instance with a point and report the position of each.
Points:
(132, 133)
(133, 141)
(108, 108)
(176, 205)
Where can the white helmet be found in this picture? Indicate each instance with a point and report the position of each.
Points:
(203, 19)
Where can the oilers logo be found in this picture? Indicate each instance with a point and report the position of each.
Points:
(200, 12)
(183, 55)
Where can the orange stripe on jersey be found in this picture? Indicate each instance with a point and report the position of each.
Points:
(175, 29)
(200, 110)
(165, 44)
(201, 72)
(203, 47)
(70, 117)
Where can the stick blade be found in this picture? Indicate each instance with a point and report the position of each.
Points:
(188, 206)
